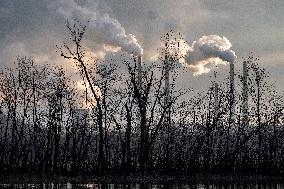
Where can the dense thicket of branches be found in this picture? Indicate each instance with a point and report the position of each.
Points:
(131, 127)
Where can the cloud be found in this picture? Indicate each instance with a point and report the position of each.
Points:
(11, 52)
(39, 26)
(149, 20)
(108, 29)
(208, 51)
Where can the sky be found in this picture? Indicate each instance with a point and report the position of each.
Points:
(35, 27)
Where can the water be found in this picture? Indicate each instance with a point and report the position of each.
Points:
(239, 185)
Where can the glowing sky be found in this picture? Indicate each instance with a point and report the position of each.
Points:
(34, 27)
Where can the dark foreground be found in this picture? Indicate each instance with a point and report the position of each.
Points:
(150, 186)
(212, 182)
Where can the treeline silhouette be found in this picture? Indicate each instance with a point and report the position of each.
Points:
(133, 127)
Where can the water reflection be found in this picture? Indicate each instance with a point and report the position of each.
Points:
(256, 185)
